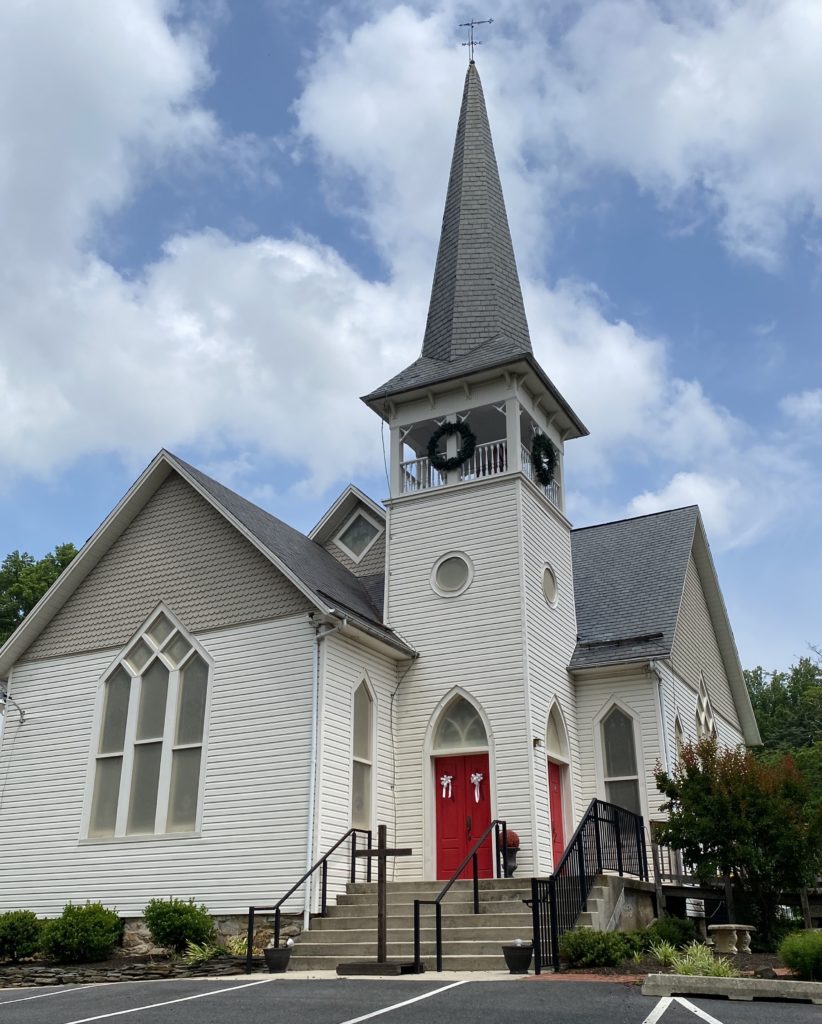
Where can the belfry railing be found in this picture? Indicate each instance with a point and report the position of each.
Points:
(609, 838)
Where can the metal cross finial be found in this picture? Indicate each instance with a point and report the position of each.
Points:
(471, 25)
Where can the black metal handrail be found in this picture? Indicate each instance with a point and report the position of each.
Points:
(322, 863)
(609, 838)
(501, 861)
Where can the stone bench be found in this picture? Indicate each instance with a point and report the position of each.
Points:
(727, 937)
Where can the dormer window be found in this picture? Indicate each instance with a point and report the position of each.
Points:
(358, 534)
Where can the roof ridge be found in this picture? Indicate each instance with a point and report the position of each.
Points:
(633, 519)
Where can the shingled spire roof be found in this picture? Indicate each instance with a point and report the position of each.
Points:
(476, 317)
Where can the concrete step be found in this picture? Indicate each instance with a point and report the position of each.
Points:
(423, 887)
(450, 962)
(405, 935)
(396, 950)
(506, 919)
(407, 897)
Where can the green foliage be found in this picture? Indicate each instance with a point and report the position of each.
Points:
(731, 813)
(200, 952)
(81, 934)
(174, 923)
(23, 581)
(237, 945)
(19, 934)
(788, 705)
(676, 931)
(698, 959)
(589, 948)
(663, 952)
(802, 952)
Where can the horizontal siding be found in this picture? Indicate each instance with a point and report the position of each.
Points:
(680, 700)
(550, 639)
(695, 648)
(252, 844)
(474, 641)
(178, 550)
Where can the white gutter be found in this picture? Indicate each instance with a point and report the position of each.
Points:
(312, 777)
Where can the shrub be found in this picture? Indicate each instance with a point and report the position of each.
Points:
(174, 923)
(81, 934)
(678, 931)
(698, 959)
(19, 934)
(802, 952)
(200, 952)
(663, 952)
(589, 948)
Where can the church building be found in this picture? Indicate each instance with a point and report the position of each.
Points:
(207, 699)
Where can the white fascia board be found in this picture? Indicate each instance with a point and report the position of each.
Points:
(724, 635)
(341, 510)
(112, 527)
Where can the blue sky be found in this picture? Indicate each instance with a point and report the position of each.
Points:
(220, 223)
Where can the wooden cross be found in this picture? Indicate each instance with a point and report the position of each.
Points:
(382, 853)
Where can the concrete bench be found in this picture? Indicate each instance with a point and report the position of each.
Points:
(727, 937)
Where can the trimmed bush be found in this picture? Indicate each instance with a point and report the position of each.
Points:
(19, 934)
(174, 923)
(678, 931)
(698, 959)
(82, 934)
(589, 948)
(802, 952)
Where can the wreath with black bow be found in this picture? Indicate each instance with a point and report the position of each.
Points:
(543, 459)
(469, 442)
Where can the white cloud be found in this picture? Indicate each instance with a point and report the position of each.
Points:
(805, 407)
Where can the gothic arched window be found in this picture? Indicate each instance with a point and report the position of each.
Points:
(460, 727)
(620, 761)
(363, 758)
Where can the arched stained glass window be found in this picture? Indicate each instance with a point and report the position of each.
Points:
(460, 727)
(362, 758)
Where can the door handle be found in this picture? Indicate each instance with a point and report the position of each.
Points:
(468, 824)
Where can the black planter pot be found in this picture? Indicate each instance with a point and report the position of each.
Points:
(277, 959)
(511, 861)
(518, 958)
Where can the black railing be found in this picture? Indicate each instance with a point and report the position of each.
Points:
(500, 830)
(609, 838)
(322, 864)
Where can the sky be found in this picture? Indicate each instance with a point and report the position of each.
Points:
(220, 220)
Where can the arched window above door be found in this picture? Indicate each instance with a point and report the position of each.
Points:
(460, 728)
(556, 739)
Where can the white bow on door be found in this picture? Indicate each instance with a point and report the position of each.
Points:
(476, 779)
(445, 782)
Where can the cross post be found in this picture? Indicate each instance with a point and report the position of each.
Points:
(382, 853)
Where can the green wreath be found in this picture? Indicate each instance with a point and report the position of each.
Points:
(544, 459)
(469, 443)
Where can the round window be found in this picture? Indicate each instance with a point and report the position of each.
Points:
(451, 576)
(549, 586)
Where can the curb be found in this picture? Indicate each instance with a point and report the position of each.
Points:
(732, 988)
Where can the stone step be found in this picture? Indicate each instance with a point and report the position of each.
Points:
(396, 950)
(338, 919)
(450, 963)
(405, 935)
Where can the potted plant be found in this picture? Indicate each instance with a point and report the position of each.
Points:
(277, 959)
(511, 851)
(518, 956)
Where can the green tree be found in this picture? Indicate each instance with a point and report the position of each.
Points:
(732, 813)
(23, 581)
(788, 705)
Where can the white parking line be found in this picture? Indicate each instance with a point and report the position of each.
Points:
(44, 995)
(658, 1010)
(395, 1006)
(666, 1001)
(168, 1002)
(695, 1009)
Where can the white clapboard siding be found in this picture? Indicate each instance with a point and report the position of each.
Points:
(637, 694)
(695, 648)
(474, 641)
(252, 843)
(550, 639)
(345, 664)
(679, 700)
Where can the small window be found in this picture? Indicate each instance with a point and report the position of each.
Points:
(620, 762)
(363, 727)
(460, 728)
(679, 738)
(549, 586)
(452, 575)
(149, 753)
(556, 741)
(705, 724)
(358, 535)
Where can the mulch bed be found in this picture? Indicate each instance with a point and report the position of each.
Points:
(631, 973)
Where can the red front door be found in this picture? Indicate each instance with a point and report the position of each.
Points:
(555, 807)
(463, 813)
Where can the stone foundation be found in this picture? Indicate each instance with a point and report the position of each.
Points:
(137, 941)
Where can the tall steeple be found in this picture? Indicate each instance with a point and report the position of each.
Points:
(476, 296)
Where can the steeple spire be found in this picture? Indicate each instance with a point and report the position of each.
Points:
(476, 293)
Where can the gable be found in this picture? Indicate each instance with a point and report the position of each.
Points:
(178, 550)
(371, 563)
(696, 648)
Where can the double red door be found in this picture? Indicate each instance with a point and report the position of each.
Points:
(463, 799)
(555, 808)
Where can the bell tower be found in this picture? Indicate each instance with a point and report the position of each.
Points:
(476, 522)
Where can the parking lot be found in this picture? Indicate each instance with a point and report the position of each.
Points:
(283, 1000)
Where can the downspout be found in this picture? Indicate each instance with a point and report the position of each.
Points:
(312, 760)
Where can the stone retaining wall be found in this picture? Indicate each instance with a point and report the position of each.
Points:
(84, 974)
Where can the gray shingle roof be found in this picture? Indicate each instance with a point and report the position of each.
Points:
(310, 562)
(628, 583)
(476, 296)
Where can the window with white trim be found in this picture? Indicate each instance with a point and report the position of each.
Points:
(679, 737)
(363, 759)
(358, 534)
(705, 724)
(620, 761)
(148, 761)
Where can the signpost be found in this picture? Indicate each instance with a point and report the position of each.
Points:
(382, 965)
